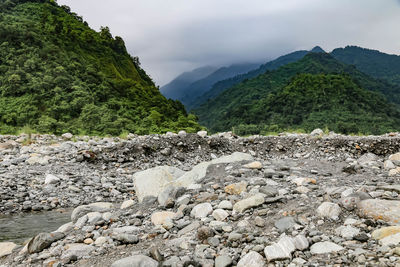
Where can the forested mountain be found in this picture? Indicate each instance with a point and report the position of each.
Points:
(371, 62)
(58, 75)
(222, 85)
(316, 91)
(188, 94)
(174, 89)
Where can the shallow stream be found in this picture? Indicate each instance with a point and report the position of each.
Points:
(18, 228)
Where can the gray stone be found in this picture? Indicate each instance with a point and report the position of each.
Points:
(199, 171)
(223, 261)
(269, 191)
(201, 210)
(285, 224)
(220, 214)
(154, 181)
(317, 132)
(85, 209)
(126, 238)
(325, 247)
(329, 210)
(347, 232)
(136, 261)
(284, 248)
(130, 229)
(202, 133)
(248, 203)
(251, 259)
(43, 241)
(51, 179)
(378, 209)
(6, 248)
(127, 204)
(225, 204)
(77, 250)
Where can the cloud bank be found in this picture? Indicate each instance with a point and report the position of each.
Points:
(172, 36)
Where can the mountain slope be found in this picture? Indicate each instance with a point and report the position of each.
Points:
(222, 85)
(174, 88)
(371, 62)
(254, 105)
(188, 94)
(58, 75)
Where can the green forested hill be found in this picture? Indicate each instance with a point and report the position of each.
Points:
(222, 85)
(371, 62)
(316, 91)
(58, 75)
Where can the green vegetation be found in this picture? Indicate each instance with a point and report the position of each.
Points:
(314, 92)
(58, 75)
(371, 62)
(222, 85)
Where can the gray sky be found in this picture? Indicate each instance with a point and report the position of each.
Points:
(173, 36)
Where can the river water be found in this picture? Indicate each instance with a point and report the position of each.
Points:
(18, 228)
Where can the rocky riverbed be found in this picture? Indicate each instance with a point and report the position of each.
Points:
(197, 200)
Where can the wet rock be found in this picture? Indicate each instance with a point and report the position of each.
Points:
(136, 261)
(386, 210)
(43, 240)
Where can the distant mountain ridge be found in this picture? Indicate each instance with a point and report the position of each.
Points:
(189, 93)
(174, 88)
(222, 85)
(315, 91)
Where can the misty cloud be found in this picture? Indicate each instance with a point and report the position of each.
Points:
(172, 36)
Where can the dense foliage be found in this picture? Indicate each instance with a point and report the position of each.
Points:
(371, 62)
(314, 92)
(58, 75)
(222, 85)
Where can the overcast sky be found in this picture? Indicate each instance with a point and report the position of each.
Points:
(173, 36)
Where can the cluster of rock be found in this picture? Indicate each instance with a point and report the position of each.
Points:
(269, 206)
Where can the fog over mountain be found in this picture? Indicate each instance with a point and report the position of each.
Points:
(171, 37)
